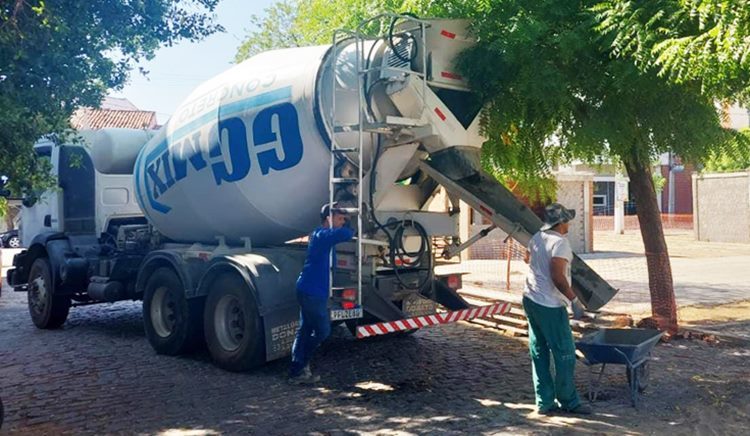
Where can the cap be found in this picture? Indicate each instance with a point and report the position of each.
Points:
(329, 208)
(555, 214)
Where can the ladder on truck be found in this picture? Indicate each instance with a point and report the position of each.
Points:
(365, 125)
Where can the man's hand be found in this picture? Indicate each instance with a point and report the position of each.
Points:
(577, 308)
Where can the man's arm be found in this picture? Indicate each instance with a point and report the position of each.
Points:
(331, 237)
(558, 266)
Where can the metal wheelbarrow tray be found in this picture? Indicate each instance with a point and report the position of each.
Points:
(629, 347)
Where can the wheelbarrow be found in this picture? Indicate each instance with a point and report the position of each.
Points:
(629, 347)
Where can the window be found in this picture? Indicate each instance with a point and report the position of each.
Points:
(600, 200)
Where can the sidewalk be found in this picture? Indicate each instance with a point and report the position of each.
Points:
(704, 273)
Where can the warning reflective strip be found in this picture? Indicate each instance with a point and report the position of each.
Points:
(440, 318)
(440, 114)
(447, 34)
(449, 75)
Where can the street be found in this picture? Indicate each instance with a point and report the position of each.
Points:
(98, 375)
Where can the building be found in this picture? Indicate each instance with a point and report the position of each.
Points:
(114, 112)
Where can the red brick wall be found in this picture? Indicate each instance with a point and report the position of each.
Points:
(683, 190)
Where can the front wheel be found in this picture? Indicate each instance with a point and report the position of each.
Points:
(233, 326)
(14, 242)
(47, 310)
(171, 321)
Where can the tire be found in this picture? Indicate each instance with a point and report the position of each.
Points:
(171, 321)
(14, 242)
(47, 310)
(232, 325)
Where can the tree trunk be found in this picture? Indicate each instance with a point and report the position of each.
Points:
(10, 217)
(660, 284)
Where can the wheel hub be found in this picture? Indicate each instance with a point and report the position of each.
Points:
(229, 322)
(38, 295)
(163, 312)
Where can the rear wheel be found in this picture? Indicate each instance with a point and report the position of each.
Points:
(232, 325)
(14, 242)
(171, 321)
(47, 310)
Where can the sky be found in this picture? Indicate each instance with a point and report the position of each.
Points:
(177, 70)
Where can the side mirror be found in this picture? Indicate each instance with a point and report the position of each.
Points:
(48, 220)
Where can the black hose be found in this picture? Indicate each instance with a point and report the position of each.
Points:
(397, 249)
(408, 36)
(395, 241)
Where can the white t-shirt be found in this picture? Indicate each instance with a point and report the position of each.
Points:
(539, 285)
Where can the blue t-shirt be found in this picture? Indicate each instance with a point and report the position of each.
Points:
(313, 280)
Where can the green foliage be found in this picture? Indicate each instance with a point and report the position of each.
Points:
(58, 55)
(703, 41)
(659, 182)
(736, 159)
(297, 23)
(548, 74)
(553, 88)
(275, 29)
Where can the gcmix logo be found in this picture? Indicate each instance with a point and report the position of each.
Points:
(228, 154)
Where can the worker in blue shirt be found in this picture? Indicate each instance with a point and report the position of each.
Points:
(312, 291)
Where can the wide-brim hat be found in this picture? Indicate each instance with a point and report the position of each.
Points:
(555, 214)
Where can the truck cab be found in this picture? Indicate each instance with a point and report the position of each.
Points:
(95, 185)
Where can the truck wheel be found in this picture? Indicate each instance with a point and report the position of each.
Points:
(171, 321)
(232, 325)
(47, 310)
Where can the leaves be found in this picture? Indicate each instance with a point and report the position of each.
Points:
(59, 55)
(702, 41)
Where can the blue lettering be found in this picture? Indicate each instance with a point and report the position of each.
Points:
(275, 133)
(184, 149)
(153, 173)
(167, 169)
(239, 154)
(291, 141)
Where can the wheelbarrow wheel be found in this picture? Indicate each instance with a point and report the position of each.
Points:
(641, 377)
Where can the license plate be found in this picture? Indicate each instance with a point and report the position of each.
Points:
(418, 306)
(340, 314)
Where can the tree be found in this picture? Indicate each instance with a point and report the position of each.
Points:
(703, 41)
(58, 55)
(272, 30)
(553, 92)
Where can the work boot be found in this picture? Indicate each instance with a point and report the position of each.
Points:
(549, 412)
(303, 379)
(581, 409)
(308, 372)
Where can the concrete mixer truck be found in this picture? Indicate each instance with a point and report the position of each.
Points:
(204, 220)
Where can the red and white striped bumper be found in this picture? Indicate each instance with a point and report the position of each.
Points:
(383, 328)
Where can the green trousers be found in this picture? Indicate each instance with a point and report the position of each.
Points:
(549, 331)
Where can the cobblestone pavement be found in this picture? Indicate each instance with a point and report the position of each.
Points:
(98, 375)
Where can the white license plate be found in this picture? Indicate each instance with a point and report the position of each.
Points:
(418, 306)
(338, 315)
